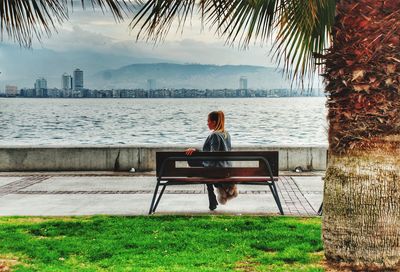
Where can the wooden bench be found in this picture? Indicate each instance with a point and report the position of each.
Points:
(172, 169)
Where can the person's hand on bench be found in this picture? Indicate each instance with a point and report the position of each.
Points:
(190, 151)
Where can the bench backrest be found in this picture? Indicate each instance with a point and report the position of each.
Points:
(167, 163)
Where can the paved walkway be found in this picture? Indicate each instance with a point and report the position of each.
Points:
(59, 194)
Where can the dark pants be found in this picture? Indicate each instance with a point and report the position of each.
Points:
(212, 199)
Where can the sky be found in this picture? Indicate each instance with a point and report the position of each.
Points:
(93, 30)
(93, 41)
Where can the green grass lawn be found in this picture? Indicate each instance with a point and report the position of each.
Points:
(160, 243)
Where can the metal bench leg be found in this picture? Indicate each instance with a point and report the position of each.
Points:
(154, 197)
(274, 192)
(320, 209)
(159, 197)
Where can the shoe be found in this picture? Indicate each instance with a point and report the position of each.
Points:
(213, 206)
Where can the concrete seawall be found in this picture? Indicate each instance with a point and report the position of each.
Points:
(142, 158)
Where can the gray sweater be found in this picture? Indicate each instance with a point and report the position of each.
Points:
(217, 141)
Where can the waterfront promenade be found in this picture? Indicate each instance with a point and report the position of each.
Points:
(124, 193)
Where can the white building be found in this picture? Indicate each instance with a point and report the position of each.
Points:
(66, 82)
(151, 84)
(41, 83)
(41, 87)
(243, 83)
(11, 90)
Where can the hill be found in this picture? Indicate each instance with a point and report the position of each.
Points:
(196, 76)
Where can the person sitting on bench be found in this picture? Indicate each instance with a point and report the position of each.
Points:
(218, 140)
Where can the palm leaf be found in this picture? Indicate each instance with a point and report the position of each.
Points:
(303, 34)
(300, 29)
(156, 17)
(24, 20)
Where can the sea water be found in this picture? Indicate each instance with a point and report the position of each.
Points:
(295, 121)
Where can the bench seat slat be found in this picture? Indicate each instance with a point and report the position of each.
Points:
(215, 172)
(218, 180)
(172, 170)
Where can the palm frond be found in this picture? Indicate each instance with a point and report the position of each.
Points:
(25, 20)
(118, 8)
(156, 17)
(22, 20)
(248, 20)
(304, 34)
(300, 29)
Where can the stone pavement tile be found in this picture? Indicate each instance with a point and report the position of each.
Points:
(309, 184)
(302, 174)
(85, 195)
(315, 199)
(242, 187)
(20, 184)
(77, 173)
(243, 204)
(312, 189)
(7, 180)
(102, 184)
(138, 204)
(67, 205)
(294, 198)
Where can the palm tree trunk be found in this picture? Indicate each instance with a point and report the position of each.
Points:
(361, 224)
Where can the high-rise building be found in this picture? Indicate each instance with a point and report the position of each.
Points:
(41, 83)
(78, 80)
(151, 84)
(66, 82)
(41, 87)
(243, 83)
(11, 90)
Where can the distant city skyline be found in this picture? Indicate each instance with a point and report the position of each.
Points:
(165, 76)
(37, 92)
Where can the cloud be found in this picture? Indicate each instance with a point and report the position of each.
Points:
(74, 39)
(88, 30)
